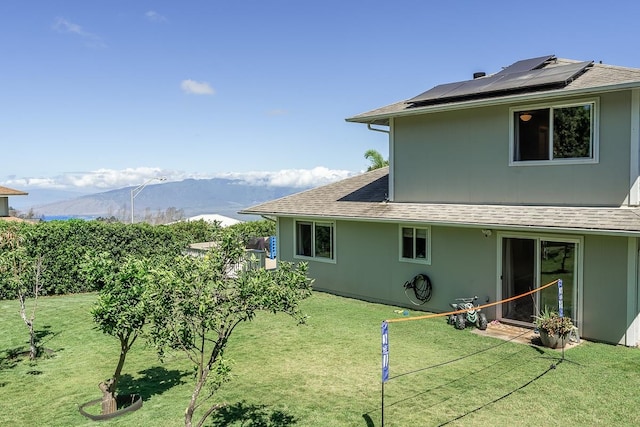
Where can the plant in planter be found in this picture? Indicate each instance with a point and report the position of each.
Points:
(554, 329)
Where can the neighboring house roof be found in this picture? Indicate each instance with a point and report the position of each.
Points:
(5, 191)
(593, 78)
(224, 221)
(363, 198)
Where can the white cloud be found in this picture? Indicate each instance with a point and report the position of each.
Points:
(98, 180)
(109, 179)
(154, 16)
(63, 26)
(196, 88)
(292, 177)
(277, 112)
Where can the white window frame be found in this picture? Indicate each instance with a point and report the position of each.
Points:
(313, 256)
(427, 259)
(578, 284)
(595, 132)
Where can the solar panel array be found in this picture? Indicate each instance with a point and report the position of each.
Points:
(528, 74)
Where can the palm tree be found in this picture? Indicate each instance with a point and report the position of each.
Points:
(376, 159)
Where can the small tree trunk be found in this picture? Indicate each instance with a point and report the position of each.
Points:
(109, 404)
(108, 388)
(33, 348)
(188, 413)
(29, 321)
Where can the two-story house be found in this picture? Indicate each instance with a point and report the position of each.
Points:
(497, 185)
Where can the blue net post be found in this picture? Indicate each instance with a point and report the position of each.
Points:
(272, 247)
(385, 365)
(560, 299)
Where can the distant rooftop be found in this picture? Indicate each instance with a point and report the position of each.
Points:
(5, 191)
(224, 221)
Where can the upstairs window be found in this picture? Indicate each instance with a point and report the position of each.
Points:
(414, 244)
(315, 239)
(558, 133)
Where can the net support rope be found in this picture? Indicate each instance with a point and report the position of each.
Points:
(430, 316)
(385, 342)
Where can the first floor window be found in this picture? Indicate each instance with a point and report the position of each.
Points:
(315, 239)
(555, 133)
(414, 243)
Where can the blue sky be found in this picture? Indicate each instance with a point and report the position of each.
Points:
(104, 94)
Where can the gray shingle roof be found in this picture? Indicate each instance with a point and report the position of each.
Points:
(362, 197)
(598, 78)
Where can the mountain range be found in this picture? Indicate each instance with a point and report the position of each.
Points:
(191, 196)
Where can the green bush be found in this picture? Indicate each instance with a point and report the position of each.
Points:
(261, 228)
(64, 245)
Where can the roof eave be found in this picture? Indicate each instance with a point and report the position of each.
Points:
(383, 118)
(478, 225)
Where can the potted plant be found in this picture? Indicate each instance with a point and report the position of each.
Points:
(554, 329)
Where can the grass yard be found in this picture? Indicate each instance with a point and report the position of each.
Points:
(325, 373)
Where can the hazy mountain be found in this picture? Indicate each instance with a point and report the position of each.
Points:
(194, 197)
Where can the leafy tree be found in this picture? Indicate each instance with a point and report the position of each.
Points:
(21, 274)
(119, 311)
(249, 229)
(572, 132)
(66, 243)
(376, 160)
(196, 303)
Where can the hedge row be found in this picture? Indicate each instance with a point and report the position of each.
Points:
(64, 245)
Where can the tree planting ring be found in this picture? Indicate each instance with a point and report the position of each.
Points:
(136, 404)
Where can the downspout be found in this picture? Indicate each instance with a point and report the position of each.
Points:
(631, 337)
(387, 131)
(634, 157)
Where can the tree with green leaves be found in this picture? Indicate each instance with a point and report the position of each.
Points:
(197, 302)
(21, 275)
(119, 311)
(376, 160)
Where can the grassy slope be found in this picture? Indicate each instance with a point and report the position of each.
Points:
(324, 373)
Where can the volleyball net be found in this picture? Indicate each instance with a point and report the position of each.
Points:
(423, 377)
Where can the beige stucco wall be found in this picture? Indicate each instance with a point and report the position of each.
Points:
(463, 157)
(463, 263)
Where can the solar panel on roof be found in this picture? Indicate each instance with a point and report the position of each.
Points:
(527, 64)
(542, 77)
(561, 74)
(452, 90)
(439, 91)
(476, 86)
(518, 78)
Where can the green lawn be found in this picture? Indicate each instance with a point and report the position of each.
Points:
(326, 373)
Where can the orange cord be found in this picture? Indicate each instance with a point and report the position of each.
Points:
(429, 316)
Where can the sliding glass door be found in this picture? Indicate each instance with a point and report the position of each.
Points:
(529, 263)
